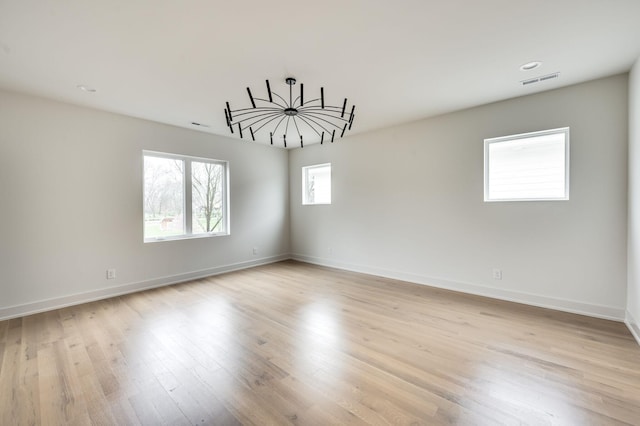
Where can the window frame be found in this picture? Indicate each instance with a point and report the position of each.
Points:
(305, 175)
(187, 209)
(487, 142)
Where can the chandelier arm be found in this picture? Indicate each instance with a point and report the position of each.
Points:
(257, 112)
(308, 124)
(286, 129)
(243, 110)
(310, 106)
(250, 114)
(326, 108)
(314, 121)
(251, 97)
(283, 100)
(274, 117)
(256, 116)
(296, 124)
(326, 112)
(294, 102)
(318, 116)
(270, 102)
(258, 120)
(269, 91)
(279, 122)
(327, 123)
(330, 117)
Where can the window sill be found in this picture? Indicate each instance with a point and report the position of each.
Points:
(185, 237)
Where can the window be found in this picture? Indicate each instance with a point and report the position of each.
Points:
(527, 167)
(184, 197)
(316, 184)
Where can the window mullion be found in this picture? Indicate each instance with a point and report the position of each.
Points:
(188, 188)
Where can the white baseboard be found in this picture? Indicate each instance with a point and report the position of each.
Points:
(598, 311)
(633, 325)
(105, 293)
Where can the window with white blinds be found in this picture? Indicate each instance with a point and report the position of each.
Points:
(527, 167)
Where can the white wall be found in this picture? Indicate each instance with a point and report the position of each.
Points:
(633, 288)
(408, 203)
(71, 205)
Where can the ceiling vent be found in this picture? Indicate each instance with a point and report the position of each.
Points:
(540, 79)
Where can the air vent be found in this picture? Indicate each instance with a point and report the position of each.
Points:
(199, 124)
(540, 79)
(549, 77)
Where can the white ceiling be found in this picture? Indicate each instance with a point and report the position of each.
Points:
(178, 61)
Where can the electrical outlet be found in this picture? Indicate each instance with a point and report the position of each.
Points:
(497, 274)
(255, 250)
(329, 250)
(111, 274)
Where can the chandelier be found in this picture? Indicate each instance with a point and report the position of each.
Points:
(290, 119)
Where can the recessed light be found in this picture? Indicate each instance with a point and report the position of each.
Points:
(530, 66)
(86, 88)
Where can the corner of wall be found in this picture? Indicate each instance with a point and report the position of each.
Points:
(633, 214)
(633, 326)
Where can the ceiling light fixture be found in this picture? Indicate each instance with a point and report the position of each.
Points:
(290, 119)
(86, 88)
(530, 66)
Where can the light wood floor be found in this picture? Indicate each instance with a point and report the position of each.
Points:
(291, 343)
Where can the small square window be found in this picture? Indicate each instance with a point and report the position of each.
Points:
(316, 184)
(527, 167)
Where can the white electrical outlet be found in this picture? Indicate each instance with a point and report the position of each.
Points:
(497, 274)
(255, 250)
(111, 274)
(329, 250)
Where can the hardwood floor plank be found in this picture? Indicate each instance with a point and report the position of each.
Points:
(61, 399)
(292, 343)
(10, 380)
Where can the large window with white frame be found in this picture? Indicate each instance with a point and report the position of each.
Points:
(527, 167)
(184, 197)
(316, 184)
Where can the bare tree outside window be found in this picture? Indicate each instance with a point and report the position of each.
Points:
(207, 196)
(163, 196)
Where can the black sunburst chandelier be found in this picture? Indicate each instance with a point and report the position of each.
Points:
(279, 117)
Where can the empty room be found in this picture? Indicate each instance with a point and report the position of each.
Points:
(319, 213)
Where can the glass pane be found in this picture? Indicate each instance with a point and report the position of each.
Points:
(318, 184)
(528, 168)
(163, 197)
(207, 197)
